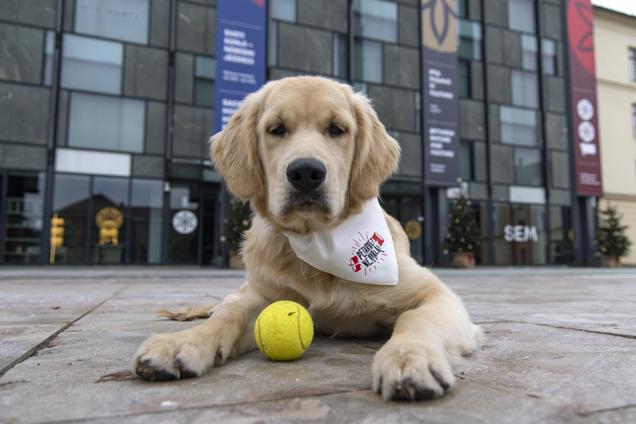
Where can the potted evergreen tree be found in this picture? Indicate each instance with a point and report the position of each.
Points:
(238, 220)
(463, 235)
(611, 238)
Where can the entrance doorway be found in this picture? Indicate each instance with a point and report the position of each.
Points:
(192, 217)
(520, 234)
(407, 209)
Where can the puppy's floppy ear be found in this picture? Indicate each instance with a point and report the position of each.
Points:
(234, 150)
(377, 153)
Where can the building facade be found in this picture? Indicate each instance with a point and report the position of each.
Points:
(106, 106)
(615, 44)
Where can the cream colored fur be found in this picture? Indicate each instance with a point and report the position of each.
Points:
(428, 325)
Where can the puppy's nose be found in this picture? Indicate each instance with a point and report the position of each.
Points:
(306, 174)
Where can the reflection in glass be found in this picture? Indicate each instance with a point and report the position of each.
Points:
(71, 203)
(529, 52)
(520, 234)
(469, 40)
(549, 58)
(527, 164)
(521, 15)
(204, 74)
(525, 89)
(518, 126)
(106, 123)
(23, 218)
(375, 19)
(284, 10)
(146, 212)
(368, 61)
(121, 19)
(92, 65)
(109, 203)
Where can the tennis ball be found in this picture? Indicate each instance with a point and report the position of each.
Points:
(283, 330)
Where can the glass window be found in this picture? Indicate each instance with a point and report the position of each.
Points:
(121, 19)
(272, 43)
(375, 19)
(462, 8)
(70, 203)
(204, 74)
(340, 56)
(632, 63)
(469, 40)
(146, 211)
(92, 65)
(285, 10)
(518, 126)
(418, 111)
(464, 75)
(521, 15)
(368, 61)
(466, 161)
(23, 219)
(548, 57)
(634, 120)
(525, 89)
(529, 52)
(109, 202)
(528, 167)
(49, 49)
(108, 123)
(520, 234)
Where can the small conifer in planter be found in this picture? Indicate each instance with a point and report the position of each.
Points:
(239, 219)
(464, 235)
(611, 238)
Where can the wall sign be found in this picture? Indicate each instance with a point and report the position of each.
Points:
(522, 233)
(439, 91)
(240, 47)
(185, 222)
(583, 94)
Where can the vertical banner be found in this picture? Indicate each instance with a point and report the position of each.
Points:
(439, 92)
(240, 55)
(583, 95)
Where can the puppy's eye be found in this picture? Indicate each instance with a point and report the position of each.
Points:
(334, 130)
(279, 130)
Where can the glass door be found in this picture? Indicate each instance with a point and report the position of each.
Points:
(184, 221)
(407, 210)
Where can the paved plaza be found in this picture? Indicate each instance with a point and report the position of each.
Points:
(560, 347)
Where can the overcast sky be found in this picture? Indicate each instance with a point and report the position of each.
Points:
(625, 6)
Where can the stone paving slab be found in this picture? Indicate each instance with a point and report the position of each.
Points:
(547, 357)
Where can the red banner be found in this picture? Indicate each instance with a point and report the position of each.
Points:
(583, 91)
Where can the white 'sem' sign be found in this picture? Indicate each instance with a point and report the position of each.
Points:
(521, 233)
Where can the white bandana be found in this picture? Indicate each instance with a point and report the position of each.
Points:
(360, 249)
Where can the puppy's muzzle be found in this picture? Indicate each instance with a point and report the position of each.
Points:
(306, 174)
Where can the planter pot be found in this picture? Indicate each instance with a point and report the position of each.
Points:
(611, 261)
(236, 260)
(463, 260)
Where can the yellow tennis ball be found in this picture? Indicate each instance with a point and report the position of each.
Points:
(283, 330)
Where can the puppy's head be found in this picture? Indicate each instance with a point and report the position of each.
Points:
(306, 151)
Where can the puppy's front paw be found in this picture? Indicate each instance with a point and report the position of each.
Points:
(408, 370)
(172, 356)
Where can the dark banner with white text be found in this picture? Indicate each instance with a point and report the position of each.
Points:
(240, 55)
(583, 95)
(439, 92)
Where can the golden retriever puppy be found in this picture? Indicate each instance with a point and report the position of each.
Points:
(336, 139)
